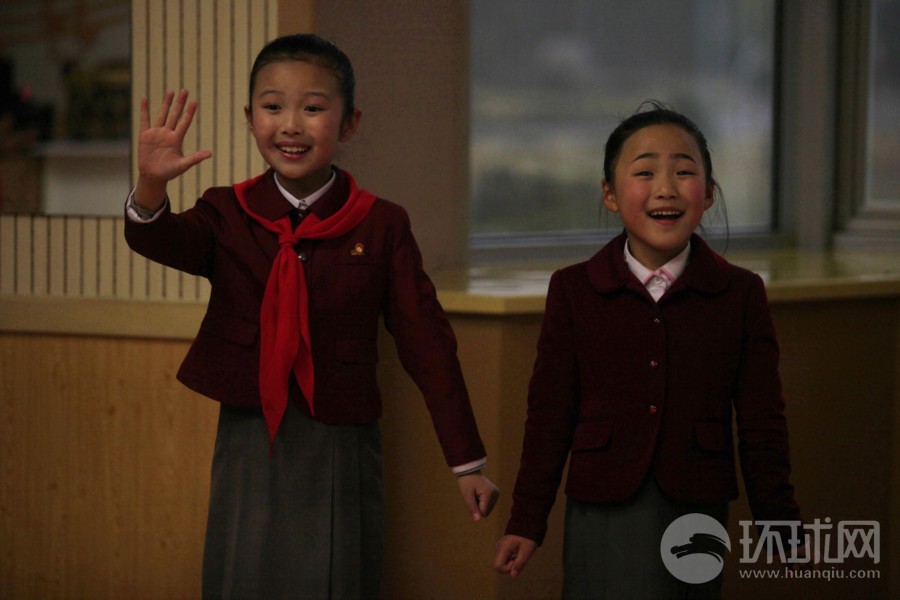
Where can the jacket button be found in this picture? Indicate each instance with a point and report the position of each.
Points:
(652, 409)
(653, 364)
(657, 321)
(302, 256)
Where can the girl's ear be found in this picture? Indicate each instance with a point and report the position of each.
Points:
(710, 195)
(609, 197)
(249, 116)
(350, 125)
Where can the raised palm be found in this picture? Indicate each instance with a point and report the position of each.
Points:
(160, 147)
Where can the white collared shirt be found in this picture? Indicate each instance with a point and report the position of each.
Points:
(308, 201)
(658, 281)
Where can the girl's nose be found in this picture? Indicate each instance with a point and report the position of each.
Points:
(665, 187)
(292, 123)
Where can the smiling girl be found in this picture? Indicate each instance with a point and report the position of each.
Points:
(302, 264)
(646, 350)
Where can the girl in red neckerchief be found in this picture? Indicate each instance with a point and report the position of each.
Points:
(302, 265)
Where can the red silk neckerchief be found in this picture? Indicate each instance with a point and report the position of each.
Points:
(284, 317)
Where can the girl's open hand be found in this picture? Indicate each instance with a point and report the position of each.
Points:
(160, 154)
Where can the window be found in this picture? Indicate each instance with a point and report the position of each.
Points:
(883, 130)
(868, 178)
(551, 80)
(65, 99)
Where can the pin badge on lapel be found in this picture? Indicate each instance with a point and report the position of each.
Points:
(358, 250)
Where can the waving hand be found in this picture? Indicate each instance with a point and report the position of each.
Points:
(160, 148)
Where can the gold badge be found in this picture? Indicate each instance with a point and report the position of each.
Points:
(358, 250)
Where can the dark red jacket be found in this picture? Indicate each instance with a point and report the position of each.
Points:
(373, 271)
(628, 386)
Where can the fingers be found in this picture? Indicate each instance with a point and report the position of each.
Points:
(479, 494)
(175, 114)
(196, 158)
(163, 113)
(145, 114)
(170, 116)
(185, 122)
(513, 553)
(471, 499)
(488, 498)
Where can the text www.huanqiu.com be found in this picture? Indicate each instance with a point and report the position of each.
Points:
(827, 574)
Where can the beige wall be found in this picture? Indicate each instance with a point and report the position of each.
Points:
(411, 63)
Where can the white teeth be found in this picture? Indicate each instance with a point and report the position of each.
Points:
(292, 150)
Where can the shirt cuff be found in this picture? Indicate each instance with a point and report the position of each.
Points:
(139, 214)
(471, 467)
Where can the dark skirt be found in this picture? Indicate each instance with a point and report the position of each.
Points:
(306, 522)
(612, 551)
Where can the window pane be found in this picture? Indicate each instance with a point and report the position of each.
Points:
(550, 80)
(883, 152)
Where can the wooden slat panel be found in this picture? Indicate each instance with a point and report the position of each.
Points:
(106, 257)
(90, 259)
(173, 74)
(240, 150)
(7, 254)
(57, 256)
(190, 77)
(123, 263)
(224, 90)
(73, 257)
(40, 260)
(23, 255)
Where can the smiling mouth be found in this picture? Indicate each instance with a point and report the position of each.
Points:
(293, 150)
(665, 215)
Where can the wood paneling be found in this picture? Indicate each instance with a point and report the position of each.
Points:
(104, 462)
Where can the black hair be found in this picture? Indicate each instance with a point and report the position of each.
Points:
(313, 49)
(658, 114)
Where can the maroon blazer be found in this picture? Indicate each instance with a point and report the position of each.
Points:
(349, 292)
(627, 386)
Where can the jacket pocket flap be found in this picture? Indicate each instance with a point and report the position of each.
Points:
(231, 329)
(713, 436)
(591, 436)
(356, 351)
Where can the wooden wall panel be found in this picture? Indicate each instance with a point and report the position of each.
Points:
(104, 461)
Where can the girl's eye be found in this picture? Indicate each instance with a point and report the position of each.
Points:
(686, 173)
(270, 106)
(643, 174)
(314, 109)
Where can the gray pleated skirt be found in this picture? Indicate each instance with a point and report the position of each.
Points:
(306, 522)
(612, 551)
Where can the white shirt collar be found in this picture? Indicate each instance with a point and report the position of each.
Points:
(658, 281)
(308, 201)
